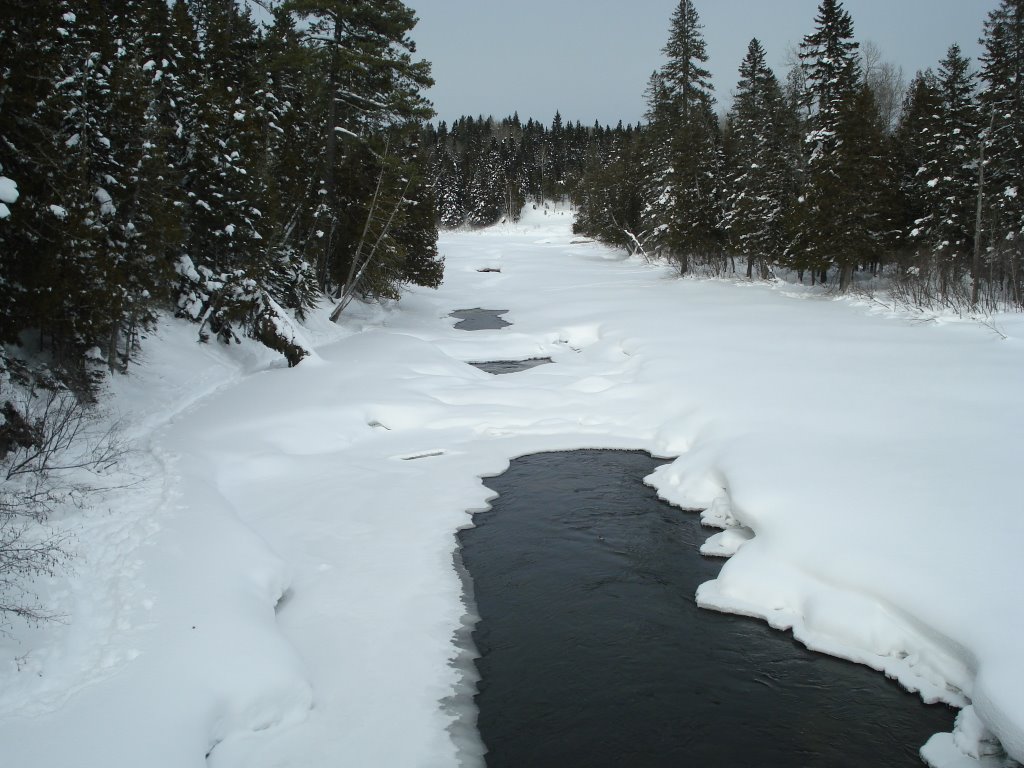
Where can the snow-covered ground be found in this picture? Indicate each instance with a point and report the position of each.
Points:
(277, 587)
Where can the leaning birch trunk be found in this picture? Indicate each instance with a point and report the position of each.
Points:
(350, 288)
(356, 267)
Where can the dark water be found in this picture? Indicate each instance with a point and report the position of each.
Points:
(593, 652)
(480, 319)
(499, 367)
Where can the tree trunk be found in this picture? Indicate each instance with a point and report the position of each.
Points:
(845, 278)
(978, 219)
(331, 146)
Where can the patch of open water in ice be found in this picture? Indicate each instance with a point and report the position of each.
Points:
(480, 319)
(594, 653)
(499, 367)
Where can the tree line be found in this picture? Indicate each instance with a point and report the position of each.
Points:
(182, 157)
(816, 174)
(483, 170)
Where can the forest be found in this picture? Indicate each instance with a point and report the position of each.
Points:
(181, 158)
(834, 172)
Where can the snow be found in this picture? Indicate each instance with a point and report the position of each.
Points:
(969, 746)
(278, 586)
(106, 202)
(8, 190)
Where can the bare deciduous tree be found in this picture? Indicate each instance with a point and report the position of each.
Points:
(886, 82)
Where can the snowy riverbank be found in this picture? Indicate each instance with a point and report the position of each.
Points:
(875, 457)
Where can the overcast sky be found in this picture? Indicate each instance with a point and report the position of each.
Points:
(591, 58)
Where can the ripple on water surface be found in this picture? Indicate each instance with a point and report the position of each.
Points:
(594, 653)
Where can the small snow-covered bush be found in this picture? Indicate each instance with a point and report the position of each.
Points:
(232, 304)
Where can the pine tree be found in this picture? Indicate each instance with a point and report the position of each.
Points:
(914, 150)
(77, 272)
(1003, 110)
(372, 86)
(609, 197)
(446, 181)
(834, 218)
(760, 160)
(224, 244)
(416, 232)
(282, 162)
(683, 149)
(686, 80)
(486, 187)
(32, 35)
(144, 229)
(831, 70)
(513, 175)
(946, 179)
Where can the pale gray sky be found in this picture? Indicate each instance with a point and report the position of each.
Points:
(591, 58)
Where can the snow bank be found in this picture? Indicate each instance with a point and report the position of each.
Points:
(860, 464)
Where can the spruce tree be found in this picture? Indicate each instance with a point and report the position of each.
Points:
(609, 197)
(1002, 100)
(486, 188)
(946, 179)
(372, 85)
(685, 206)
(280, 109)
(446, 181)
(760, 164)
(832, 221)
(914, 151)
(831, 70)
(31, 34)
(76, 273)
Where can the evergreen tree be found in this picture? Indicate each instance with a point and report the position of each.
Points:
(914, 150)
(31, 35)
(609, 197)
(416, 232)
(831, 71)
(224, 244)
(487, 186)
(75, 273)
(656, 156)
(280, 108)
(835, 219)
(686, 210)
(946, 178)
(373, 85)
(1003, 110)
(760, 160)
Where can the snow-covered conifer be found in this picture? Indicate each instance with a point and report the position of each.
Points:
(1002, 99)
(760, 164)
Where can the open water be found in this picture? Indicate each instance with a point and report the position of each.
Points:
(593, 652)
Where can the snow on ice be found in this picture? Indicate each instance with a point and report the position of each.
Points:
(278, 588)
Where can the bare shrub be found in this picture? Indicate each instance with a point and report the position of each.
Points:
(53, 448)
